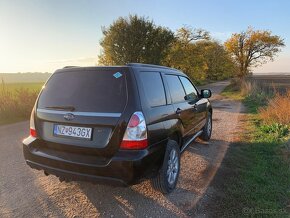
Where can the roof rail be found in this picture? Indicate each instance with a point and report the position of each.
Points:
(69, 67)
(149, 65)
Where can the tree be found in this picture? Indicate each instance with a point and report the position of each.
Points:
(134, 39)
(220, 64)
(198, 56)
(185, 55)
(252, 48)
(187, 35)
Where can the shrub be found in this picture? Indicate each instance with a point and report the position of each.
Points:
(277, 110)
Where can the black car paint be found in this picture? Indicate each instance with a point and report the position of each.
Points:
(103, 161)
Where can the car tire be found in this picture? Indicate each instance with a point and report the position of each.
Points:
(207, 129)
(167, 177)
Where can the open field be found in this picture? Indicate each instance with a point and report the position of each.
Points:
(18, 92)
(24, 77)
(13, 87)
(280, 82)
(17, 100)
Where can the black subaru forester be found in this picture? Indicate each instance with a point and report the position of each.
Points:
(117, 125)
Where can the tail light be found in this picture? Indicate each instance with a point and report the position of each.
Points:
(32, 125)
(135, 136)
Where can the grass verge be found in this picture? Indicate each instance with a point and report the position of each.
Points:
(232, 92)
(254, 178)
(260, 174)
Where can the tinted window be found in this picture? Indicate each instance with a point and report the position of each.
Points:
(86, 90)
(191, 92)
(176, 89)
(153, 88)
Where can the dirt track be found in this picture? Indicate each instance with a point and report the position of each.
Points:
(29, 193)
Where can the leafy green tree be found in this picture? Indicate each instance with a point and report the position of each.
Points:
(199, 57)
(134, 39)
(186, 59)
(219, 62)
(252, 48)
(185, 55)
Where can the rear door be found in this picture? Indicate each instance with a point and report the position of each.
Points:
(80, 109)
(182, 107)
(154, 104)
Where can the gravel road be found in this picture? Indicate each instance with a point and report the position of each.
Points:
(29, 193)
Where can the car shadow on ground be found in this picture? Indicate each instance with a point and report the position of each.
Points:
(143, 200)
(127, 201)
(26, 197)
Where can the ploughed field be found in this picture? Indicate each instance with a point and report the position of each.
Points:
(279, 82)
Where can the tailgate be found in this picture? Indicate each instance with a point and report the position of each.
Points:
(82, 100)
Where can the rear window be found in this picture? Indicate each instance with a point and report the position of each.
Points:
(87, 91)
(153, 88)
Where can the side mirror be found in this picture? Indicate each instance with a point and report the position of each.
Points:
(205, 93)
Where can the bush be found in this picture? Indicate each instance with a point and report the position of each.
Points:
(277, 110)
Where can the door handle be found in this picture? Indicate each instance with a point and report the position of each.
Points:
(194, 107)
(178, 111)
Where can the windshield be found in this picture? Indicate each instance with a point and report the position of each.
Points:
(85, 90)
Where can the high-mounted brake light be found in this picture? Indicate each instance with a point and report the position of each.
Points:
(32, 125)
(135, 136)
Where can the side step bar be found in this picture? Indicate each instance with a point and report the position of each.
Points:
(191, 140)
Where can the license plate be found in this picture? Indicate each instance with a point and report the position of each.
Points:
(72, 131)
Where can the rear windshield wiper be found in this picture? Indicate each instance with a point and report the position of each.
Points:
(64, 108)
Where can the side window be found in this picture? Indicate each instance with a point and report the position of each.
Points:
(175, 87)
(153, 88)
(191, 92)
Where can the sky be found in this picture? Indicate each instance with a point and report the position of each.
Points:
(42, 36)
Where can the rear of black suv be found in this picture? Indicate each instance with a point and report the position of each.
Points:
(117, 124)
(87, 124)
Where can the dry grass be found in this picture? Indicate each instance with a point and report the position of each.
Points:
(15, 105)
(277, 110)
(242, 86)
(247, 88)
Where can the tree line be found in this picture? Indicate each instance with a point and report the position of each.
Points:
(135, 39)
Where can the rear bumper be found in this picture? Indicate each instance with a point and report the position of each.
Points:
(125, 168)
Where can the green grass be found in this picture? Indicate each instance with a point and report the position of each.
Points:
(232, 92)
(255, 174)
(259, 185)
